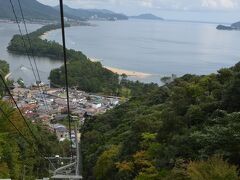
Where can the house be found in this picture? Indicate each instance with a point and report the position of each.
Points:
(114, 102)
(29, 108)
(59, 117)
(44, 118)
(61, 132)
(90, 112)
(96, 105)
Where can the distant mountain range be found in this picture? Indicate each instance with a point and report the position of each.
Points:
(33, 10)
(146, 17)
(93, 14)
(234, 26)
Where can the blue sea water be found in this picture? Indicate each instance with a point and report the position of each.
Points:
(160, 48)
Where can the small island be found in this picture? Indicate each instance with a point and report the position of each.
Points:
(146, 17)
(234, 26)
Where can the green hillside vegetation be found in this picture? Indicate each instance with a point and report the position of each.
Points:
(188, 129)
(40, 47)
(4, 70)
(4, 67)
(83, 73)
(33, 10)
(36, 11)
(16, 154)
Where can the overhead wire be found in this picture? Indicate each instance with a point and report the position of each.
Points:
(25, 46)
(15, 127)
(25, 121)
(20, 112)
(21, 134)
(35, 76)
(29, 40)
(21, 34)
(66, 71)
(32, 52)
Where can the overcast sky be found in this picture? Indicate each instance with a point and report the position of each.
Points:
(204, 10)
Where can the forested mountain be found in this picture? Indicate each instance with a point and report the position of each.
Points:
(4, 70)
(93, 14)
(188, 129)
(146, 17)
(32, 9)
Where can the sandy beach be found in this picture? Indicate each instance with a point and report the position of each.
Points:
(127, 72)
(113, 69)
(123, 71)
(44, 36)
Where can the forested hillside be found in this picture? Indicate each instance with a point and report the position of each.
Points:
(36, 11)
(33, 10)
(17, 155)
(188, 129)
(4, 70)
(39, 47)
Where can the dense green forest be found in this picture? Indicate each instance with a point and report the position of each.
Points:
(40, 47)
(4, 70)
(33, 10)
(36, 11)
(17, 156)
(187, 129)
(87, 76)
(83, 73)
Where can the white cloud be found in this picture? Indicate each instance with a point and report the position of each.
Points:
(147, 3)
(159, 4)
(220, 4)
(196, 4)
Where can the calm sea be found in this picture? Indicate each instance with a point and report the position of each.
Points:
(19, 65)
(157, 47)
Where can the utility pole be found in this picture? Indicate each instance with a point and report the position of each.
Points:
(66, 171)
(77, 149)
(72, 169)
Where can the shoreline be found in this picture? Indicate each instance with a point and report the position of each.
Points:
(44, 35)
(118, 71)
(127, 72)
(124, 71)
